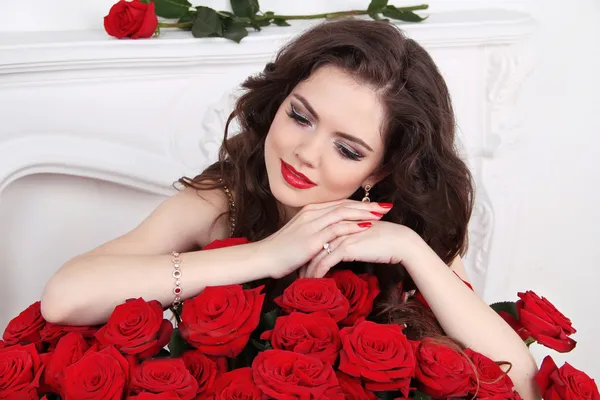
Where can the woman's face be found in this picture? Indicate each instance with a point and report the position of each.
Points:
(325, 141)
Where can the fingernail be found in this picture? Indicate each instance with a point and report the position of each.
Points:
(365, 224)
(377, 214)
(385, 205)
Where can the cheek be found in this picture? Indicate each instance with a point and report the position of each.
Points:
(343, 177)
(277, 138)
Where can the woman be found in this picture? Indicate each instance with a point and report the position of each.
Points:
(351, 110)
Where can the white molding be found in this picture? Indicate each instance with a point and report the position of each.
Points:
(68, 154)
(26, 52)
(508, 68)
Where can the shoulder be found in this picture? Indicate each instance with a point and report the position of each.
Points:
(207, 211)
(185, 221)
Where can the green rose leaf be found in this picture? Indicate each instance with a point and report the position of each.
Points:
(245, 8)
(261, 345)
(507, 306)
(376, 6)
(234, 30)
(408, 16)
(189, 16)
(267, 320)
(177, 345)
(377, 17)
(207, 23)
(280, 22)
(172, 8)
(388, 395)
(421, 396)
(226, 14)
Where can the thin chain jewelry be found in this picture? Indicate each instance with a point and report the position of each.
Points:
(231, 208)
(176, 260)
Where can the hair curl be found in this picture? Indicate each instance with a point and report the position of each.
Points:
(428, 183)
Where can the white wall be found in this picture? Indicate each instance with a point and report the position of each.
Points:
(555, 168)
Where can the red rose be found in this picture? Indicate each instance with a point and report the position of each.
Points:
(360, 290)
(154, 396)
(380, 354)
(217, 244)
(565, 383)
(548, 326)
(20, 371)
(2, 344)
(51, 333)
(314, 334)
(163, 375)
(132, 19)
(25, 328)
(283, 374)
(515, 324)
(69, 350)
(136, 328)
(353, 389)
(204, 369)
(509, 396)
(442, 371)
(219, 320)
(493, 381)
(237, 384)
(101, 375)
(310, 295)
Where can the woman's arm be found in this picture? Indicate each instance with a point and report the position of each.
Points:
(466, 318)
(138, 264)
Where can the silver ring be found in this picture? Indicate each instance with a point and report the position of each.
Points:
(327, 248)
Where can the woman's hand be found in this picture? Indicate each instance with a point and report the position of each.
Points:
(302, 238)
(383, 243)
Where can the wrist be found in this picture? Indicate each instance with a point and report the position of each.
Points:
(413, 248)
(263, 260)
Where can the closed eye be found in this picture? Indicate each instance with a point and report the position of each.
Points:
(348, 152)
(300, 119)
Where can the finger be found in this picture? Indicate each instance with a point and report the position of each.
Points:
(342, 228)
(331, 260)
(311, 267)
(327, 204)
(339, 214)
(302, 272)
(345, 209)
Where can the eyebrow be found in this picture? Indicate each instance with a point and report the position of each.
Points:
(346, 136)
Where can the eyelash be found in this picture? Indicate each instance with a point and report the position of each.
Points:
(343, 150)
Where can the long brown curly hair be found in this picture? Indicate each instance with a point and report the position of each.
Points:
(429, 185)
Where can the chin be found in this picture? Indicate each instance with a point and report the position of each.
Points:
(286, 195)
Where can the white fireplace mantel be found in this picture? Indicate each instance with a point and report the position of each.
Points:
(141, 113)
(75, 50)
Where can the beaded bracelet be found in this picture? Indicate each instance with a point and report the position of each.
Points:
(176, 274)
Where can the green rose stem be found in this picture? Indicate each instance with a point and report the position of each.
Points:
(292, 17)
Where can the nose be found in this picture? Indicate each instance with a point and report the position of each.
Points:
(308, 151)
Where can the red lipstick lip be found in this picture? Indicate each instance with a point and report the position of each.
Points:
(295, 178)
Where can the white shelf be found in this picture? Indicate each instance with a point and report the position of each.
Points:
(51, 51)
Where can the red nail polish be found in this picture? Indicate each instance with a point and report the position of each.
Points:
(377, 214)
(365, 224)
(385, 205)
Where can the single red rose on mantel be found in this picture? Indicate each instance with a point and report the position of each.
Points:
(132, 19)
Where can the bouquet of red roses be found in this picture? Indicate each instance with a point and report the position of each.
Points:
(319, 343)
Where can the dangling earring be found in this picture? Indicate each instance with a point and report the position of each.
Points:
(366, 199)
